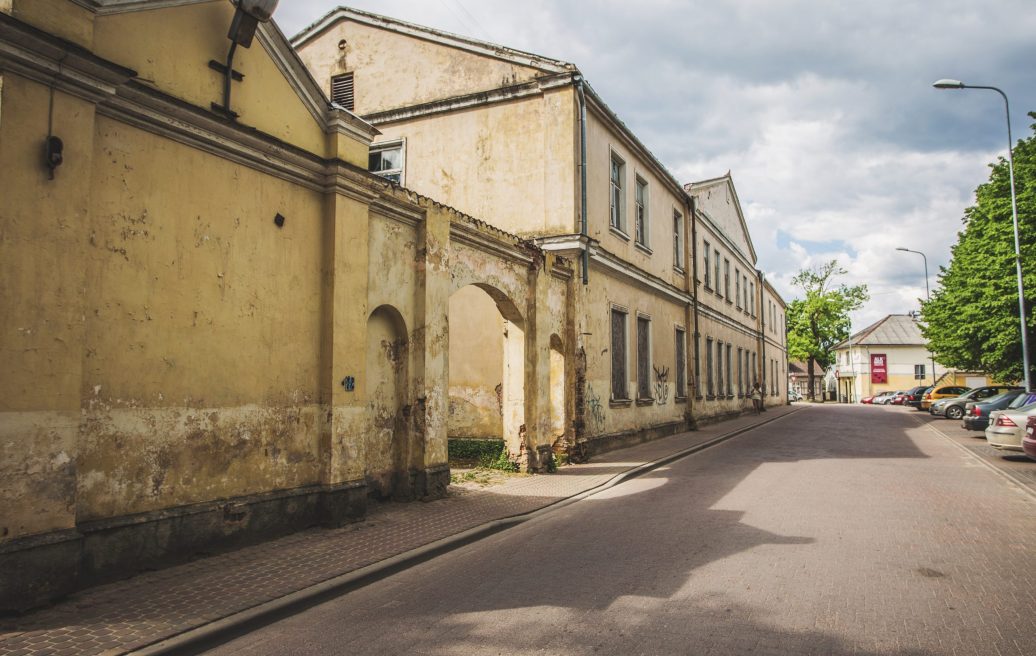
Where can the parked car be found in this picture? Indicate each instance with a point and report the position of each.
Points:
(883, 398)
(867, 399)
(794, 396)
(953, 408)
(1029, 438)
(1005, 427)
(976, 413)
(941, 392)
(897, 398)
(914, 396)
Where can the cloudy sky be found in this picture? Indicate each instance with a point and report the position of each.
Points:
(823, 111)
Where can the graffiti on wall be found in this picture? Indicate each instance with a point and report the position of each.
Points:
(595, 420)
(661, 385)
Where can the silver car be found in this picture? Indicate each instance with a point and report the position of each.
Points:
(1007, 426)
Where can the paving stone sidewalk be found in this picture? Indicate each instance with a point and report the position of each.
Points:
(154, 606)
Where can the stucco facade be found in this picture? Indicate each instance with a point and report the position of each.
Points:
(522, 140)
(220, 329)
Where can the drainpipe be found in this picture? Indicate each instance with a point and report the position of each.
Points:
(694, 292)
(762, 335)
(582, 180)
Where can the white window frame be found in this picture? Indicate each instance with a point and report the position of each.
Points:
(617, 193)
(390, 145)
(641, 216)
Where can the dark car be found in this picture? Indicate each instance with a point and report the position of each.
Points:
(976, 413)
(914, 395)
(1029, 438)
(953, 408)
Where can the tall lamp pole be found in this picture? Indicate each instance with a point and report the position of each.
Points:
(927, 293)
(957, 84)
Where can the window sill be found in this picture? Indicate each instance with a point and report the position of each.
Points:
(679, 399)
(618, 233)
(698, 397)
(645, 402)
(709, 397)
(641, 247)
(620, 403)
(679, 269)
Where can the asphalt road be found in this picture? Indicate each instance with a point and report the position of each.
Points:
(837, 530)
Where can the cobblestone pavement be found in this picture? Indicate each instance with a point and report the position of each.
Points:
(153, 606)
(841, 530)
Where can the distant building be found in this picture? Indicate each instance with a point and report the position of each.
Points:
(890, 354)
(798, 378)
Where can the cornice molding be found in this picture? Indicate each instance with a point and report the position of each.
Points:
(529, 89)
(105, 7)
(632, 274)
(469, 234)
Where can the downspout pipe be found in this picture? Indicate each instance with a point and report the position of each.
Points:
(694, 293)
(762, 335)
(583, 230)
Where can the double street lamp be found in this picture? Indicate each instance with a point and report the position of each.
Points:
(957, 84)
(927, 294)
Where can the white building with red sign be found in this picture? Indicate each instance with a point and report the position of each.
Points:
(890, 354)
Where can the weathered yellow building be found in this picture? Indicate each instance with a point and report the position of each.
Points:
(218, 327)
(524, 141)
(222, 319)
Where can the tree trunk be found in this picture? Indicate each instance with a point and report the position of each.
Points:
(811, 394)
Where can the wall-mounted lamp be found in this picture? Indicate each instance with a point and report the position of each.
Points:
(53, 153)
(246, 20)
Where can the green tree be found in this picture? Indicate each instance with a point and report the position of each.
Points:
(972, 320)
(819, 321)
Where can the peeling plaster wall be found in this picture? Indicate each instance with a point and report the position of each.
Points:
(42, 232)
(657, 259)
(476, 365)
(393, 70)
(263, 99)
(602, 416)
(510, 163)
(198, 307)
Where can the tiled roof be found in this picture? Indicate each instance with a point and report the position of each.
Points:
(801, 368)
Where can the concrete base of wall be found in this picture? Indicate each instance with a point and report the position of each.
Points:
(623, 439)
(40, 569)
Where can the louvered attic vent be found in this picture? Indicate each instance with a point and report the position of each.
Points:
(342, 90)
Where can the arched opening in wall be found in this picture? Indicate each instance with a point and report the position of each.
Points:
(386, 445)
(487, 370)
(557, 389)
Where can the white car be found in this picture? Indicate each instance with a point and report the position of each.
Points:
(1007, 426)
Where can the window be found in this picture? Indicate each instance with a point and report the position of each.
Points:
(677, 240)
(919, 372)
(681, 363)
(755, 369)
(773, 377)
(745, 288)
(730, 377)
(643, 359)
(641, 200)
(715, 269)
(737, 288)
(740, 373)
(386, 160)
(708, 368)
(726, 279)
(342, 91)
(719, 368)
(618, 219)
(708, 271)
(619, 390)
(752, 302)
(697, 366)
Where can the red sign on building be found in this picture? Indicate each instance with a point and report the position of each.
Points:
(879, 368)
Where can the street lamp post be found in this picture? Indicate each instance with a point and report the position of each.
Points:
(927, 294)
(957, 84)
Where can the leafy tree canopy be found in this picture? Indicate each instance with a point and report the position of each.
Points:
(972, 321)
(821, 320)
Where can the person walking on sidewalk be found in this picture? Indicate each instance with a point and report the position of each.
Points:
(757, 398)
